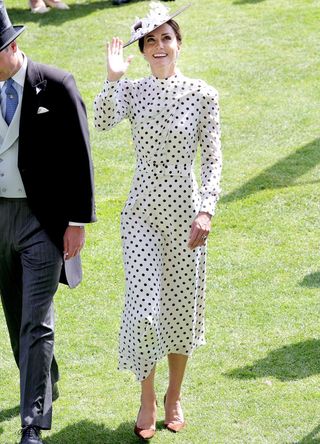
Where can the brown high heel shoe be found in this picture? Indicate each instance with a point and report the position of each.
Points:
(144, 434)
(174, 426)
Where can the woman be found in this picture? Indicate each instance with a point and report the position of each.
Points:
(167, 218)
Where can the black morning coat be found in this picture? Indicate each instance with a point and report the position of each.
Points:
(54, 152)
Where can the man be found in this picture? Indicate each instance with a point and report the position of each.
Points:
(46, 197)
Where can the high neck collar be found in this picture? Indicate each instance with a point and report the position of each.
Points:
(166, 80)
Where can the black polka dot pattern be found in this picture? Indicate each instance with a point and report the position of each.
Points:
(165, 280)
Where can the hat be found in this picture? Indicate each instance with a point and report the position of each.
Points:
(8, 33)
(158, 15)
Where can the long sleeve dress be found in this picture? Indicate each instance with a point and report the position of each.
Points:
(165, 280)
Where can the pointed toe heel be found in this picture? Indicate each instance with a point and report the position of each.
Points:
(144, 434)
(173, 426)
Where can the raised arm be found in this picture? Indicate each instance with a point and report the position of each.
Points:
(113, 103)
(116, 66)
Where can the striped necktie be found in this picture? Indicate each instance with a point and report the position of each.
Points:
(12, 100)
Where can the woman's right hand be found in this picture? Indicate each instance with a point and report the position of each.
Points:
(116, 66)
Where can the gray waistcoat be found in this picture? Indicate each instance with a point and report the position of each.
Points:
(10, 179)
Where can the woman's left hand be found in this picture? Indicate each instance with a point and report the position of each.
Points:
(200, 230)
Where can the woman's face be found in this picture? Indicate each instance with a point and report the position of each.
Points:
(161, 48)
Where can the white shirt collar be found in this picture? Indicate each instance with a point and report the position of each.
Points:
(20, 76)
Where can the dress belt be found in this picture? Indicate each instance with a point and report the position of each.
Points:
(163, 168)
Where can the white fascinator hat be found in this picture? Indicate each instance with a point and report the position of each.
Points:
(157, 16)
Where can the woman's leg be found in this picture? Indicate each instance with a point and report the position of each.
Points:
(148, 410)
(173, 410)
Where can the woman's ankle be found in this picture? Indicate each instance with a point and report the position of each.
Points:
(173, 395)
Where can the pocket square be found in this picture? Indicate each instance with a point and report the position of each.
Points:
(42, 110)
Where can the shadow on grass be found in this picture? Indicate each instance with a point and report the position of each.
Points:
(282, 174)
(9, 413)
(311, 280)
(291, 362)
(85, 432)
(311, 438)
(58, 17)
(245, 2)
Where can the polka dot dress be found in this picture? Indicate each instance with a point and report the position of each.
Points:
(165, 280)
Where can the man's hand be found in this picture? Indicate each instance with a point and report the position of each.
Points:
(200, 229)
(73, 241)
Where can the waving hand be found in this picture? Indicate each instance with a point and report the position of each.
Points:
(116, 65)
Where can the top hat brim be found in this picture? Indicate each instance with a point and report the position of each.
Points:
(9, 35)
(158, 25)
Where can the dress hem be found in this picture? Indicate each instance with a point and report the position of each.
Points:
(123, 367)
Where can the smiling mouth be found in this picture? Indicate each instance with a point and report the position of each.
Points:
(159, 55)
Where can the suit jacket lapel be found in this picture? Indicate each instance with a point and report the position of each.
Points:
(3, 129)
(33, 86)
(11, 132)
(27, 108)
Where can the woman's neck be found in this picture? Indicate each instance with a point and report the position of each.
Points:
(164, 72)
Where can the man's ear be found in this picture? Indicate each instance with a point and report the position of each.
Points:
(13, 45)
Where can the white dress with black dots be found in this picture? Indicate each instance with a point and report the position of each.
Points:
(165, 280)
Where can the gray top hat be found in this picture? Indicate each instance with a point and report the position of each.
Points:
(8, 32)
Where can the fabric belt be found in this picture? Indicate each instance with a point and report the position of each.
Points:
(163, 168)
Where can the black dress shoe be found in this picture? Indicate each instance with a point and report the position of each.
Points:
(120, 2)
(31, 435)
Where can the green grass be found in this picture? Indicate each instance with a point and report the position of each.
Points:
(258, 378)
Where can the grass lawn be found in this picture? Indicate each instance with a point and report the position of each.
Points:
(258, 378)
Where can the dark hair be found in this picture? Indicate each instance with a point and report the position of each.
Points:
(176, 28)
